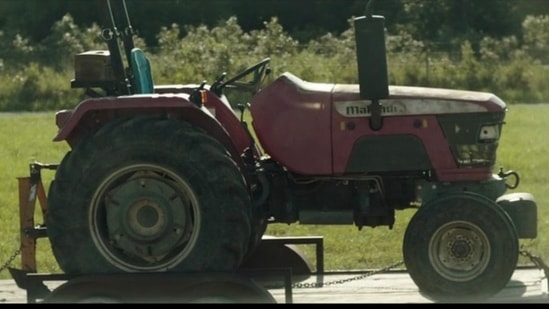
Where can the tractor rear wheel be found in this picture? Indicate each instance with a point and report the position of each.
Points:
(148, 194)
(460, 247)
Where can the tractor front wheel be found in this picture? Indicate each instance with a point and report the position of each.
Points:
(148, 194)
(460, 247)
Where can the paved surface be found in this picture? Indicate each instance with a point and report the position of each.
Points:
(528, 285)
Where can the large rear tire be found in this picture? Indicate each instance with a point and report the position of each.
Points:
(460, 247)
(148, 194)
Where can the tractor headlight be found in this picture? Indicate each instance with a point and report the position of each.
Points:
(489, 133)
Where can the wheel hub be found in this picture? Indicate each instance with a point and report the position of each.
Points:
(459, 250)
(146, 218)
(459, 253)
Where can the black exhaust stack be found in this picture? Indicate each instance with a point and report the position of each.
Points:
(372, 62)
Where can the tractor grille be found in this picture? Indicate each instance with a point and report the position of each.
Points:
(475, 155)
(473, 138)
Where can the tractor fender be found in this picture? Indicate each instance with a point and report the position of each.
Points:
(522, 208)
(93, 113)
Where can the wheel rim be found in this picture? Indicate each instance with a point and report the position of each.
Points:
(459, 251)
(144, 218)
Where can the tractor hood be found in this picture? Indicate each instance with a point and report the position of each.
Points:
(296, 121)
(406, 100)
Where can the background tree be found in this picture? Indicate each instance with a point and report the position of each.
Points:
(435, 20)
(450, 22)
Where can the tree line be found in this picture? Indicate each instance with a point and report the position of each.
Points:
(440, 21)
(512, 63)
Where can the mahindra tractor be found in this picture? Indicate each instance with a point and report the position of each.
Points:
(172, 178)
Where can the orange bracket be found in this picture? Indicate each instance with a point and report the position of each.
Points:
(30, 190)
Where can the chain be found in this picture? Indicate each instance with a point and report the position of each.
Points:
(537, 261)
(341, 281)
(10, 259)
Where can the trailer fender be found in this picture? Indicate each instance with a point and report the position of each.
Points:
(161, 288)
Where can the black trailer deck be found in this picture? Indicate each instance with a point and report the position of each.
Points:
(528, 285)
(290, 278)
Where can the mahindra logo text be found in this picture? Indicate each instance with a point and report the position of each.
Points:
(357, 110)
(363, 109)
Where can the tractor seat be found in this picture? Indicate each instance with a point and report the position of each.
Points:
(142, 77)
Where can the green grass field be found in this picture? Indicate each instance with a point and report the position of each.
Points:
(523, 148)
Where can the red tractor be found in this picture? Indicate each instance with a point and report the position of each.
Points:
(169, 178)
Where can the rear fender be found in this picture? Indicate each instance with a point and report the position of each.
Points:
(93, 113)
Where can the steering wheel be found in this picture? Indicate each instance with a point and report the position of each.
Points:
(259, 69)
